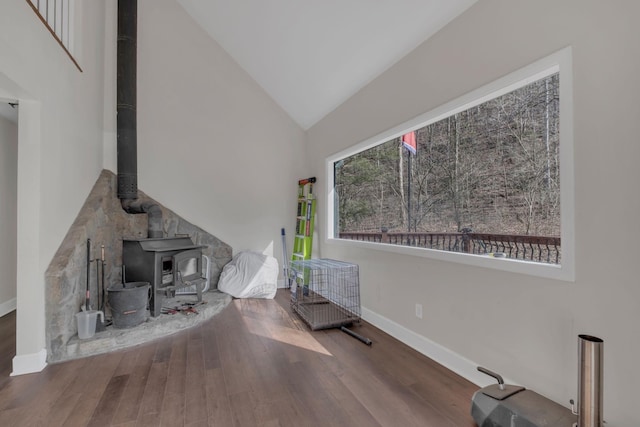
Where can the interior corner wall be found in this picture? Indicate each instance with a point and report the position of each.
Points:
(8, 217)
(110, 134)
(521, 326)
(212, 145)
(60, 148)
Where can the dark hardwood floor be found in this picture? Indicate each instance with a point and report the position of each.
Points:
(254, 364)
(7, 345)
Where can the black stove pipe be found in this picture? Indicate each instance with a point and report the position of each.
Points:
(126, 100)
(127, 120)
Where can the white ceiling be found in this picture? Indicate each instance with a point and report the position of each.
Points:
(312, 55)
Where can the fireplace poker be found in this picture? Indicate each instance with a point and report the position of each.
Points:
(88, 295)
(98, 307)
(102, 277)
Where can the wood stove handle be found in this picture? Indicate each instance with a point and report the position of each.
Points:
(494, 375)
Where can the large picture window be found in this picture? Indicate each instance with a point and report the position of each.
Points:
(480, 178)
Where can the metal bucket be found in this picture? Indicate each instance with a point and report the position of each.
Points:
(128, 303)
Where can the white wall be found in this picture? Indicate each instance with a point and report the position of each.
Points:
(523, 327)
(8, 199)
(212, 145)
(60, 145)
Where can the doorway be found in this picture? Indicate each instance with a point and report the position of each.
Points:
(8, 232)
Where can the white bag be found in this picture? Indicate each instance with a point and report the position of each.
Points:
(250, 275)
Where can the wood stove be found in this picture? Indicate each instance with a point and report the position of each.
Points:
(171, 265)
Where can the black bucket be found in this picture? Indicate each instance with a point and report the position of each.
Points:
(128, 304)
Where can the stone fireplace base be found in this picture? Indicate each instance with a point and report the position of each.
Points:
(103, 220)
(155, 327)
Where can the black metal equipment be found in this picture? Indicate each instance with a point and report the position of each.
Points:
(506, 405)
(168, 264)
(126, 88)
(127, 100)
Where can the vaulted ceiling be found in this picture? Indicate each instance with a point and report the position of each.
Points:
(312, 55)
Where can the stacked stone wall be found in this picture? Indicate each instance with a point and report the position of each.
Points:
(102, 220)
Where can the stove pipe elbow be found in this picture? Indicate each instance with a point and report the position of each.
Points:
(154, 215)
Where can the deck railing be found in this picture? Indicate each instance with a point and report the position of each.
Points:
(530, 248)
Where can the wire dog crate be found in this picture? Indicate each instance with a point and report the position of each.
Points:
(326, 292)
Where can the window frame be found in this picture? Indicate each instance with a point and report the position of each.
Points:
(558, 62)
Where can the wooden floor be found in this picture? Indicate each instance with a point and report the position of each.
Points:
(254, 364)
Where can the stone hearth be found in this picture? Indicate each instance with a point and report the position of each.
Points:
(113, 339)
(102, 220)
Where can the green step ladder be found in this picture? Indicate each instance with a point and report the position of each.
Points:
(305, 219)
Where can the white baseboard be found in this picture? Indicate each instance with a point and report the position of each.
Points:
(29, 363)
(282, 284)
(7, 307)
(447, 358)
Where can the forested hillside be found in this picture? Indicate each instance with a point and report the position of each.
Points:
(493, 168)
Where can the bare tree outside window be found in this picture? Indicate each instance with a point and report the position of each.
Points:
(478, 177)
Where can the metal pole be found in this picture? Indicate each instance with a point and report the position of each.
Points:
(408, 191)
(590, 375)
(87, 301)
(126, 102)
(285, 264)
(102, 278)
(357, 336)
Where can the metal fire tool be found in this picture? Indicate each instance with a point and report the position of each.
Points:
(98, 303)
(88, 293)
(102, 277)
(100, 297)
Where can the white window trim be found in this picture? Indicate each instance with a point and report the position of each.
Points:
(561, 62)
